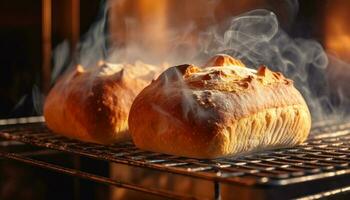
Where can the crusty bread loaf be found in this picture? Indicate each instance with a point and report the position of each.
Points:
(218, 110)
(93, 104)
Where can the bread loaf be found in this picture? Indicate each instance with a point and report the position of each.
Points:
(221, 109)
(92, 104)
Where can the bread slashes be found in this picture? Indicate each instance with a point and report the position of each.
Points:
(92, 104)
(217, 110)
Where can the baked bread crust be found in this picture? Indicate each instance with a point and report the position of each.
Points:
(220, 110)
(93, 104)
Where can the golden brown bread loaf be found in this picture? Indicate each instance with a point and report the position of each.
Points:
(93, 104)
(219, 110)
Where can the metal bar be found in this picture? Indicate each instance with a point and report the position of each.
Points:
(46, 42)
(22, 120)
(217, 191)
(75, 23)
(43, 152)
(76, 164)
(10, 143)
(334, 133)
(324, 195)
(93, 177)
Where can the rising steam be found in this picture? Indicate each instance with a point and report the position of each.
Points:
(254, 37)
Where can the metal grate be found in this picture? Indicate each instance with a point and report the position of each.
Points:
(325, 155)
(311, 160)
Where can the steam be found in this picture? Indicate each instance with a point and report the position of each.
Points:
(188, 97)
(60, 55)
(29, 104)
(37, 98)
(89, 52)
(254, 37)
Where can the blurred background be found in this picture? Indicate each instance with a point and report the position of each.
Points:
(30, 30)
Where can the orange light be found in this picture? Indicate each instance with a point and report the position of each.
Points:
(337, 30)
(141, 23)
(162, 30)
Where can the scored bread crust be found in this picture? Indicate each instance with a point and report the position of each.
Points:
(93, 104)
(218, 111)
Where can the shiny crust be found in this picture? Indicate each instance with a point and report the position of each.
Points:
(209, 113)
(93, 105)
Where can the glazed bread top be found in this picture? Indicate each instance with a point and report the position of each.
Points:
(223, 73)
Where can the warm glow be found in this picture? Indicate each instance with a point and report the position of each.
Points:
(140, 23)
(152, 16)
(158, 29)
(337, 33)
(100, 63)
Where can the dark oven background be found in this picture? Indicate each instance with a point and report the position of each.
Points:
(22, 45)
(21, 70)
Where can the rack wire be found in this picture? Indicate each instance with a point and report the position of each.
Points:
(325, 155)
